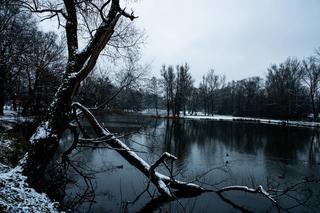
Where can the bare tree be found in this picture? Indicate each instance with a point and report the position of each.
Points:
(63, 111)
(284, 89)
(154, 90)
(80, 63)
(169, 81)
(44, 59)
(213, 82)
(184, 86)
(15, 36)
(311, 77)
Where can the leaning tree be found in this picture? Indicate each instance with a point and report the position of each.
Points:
(81, 61)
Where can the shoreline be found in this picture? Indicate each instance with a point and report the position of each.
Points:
(290, 123)
(278, 122)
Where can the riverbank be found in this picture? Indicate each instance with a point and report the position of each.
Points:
(17, 196)
(201, 116)
(254, 120)
(15, 193)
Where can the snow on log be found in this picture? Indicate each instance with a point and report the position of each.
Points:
(259, 189)
(42, 132)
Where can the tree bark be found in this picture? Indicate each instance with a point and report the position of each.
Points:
(313, 107)
(1, 98)
(45, 140)
(2, 81)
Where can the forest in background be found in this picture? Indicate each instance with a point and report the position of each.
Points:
(290, 91)
(32, 62)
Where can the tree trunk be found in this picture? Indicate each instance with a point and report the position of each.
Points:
(2, 91)
(2, 82)
(1, 98)
(14, 100)
(168, 102)
(157, 113)
(313, 108)
(45, 140)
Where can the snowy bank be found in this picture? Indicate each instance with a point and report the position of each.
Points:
(152, 111)
(10, 118)
(16, 196)
(256, 120)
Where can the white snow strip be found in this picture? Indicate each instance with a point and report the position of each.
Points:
(259, 189)
(10, 116)
(164, 187)
(249, 119)
(133, 154)
(72, 75)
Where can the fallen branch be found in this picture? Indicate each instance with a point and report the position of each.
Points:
(258, 190)
(162, 182)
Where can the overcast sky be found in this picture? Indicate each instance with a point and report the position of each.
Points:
(238, 38)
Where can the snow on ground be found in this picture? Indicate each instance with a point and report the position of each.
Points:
(202, 116)
(249, 119)
(5, 144)
(152, 111)
(11, 118)
(16, 196)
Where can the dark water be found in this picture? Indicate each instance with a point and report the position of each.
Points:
(215, 153)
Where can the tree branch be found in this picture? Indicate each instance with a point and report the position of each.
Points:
(162, 182)
(71, 28)
(258, 190)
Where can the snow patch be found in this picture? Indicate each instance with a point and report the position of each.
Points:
(72, 75)
(16, 196)
(10, 118)
(43, 131)
(4, 143)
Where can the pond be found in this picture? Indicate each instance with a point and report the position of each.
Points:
(214, 154)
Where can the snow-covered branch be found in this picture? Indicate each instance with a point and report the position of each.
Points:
(162, 182)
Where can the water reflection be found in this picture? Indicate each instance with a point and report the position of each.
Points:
(237, 153)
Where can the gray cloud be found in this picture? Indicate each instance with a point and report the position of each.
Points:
(239, 38)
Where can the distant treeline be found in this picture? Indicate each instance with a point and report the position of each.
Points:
(290, 91)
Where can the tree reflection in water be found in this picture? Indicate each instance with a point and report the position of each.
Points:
(214, 154)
